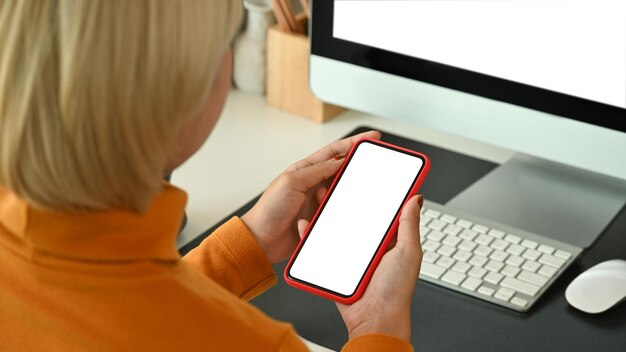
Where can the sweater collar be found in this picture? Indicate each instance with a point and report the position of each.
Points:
(114, 235)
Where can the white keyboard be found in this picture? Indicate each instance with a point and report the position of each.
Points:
(489, 261)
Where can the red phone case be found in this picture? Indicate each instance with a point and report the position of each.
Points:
(386, 240)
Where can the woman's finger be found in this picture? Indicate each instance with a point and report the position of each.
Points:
(302, 226)
(309, 177)
(320, 194)
(332, 150)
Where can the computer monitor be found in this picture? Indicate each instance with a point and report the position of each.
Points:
(545, 78)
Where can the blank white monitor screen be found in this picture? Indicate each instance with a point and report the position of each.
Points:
(575, 47)
(357, 215)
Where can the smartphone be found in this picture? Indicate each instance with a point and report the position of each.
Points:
(358, 218)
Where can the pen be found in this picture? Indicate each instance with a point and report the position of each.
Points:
(305, 7)
(281, 18)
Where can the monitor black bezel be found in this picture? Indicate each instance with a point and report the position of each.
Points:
(324, 44)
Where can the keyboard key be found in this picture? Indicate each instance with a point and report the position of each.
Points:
(520, 302)
(480, 228)
(431, 245)
(466, 224)
(446, 250)
(546, 249)
(520, 286)
(424, 231)
(532, 278)
(515, 261)
(530, 244)
(486, 290)
(448, 218)
(483, 250)
(499, 244)
(515, 249)
(477, 272)
(431, 270)
(451, 241)
(551, 260)
(424, 220)
(478, 260)
(468, 234)
(445, 262)
(498, 255)
(504, 294)
(436, 235)
(531, 254)
(547, 271)
(494, 266)
(467, 245)
(512, 239)
(430, 257)
(472, 283)
(452, 230)
(437, 224)
(462, 255)
(493, 278)
(510, 271)
(461, 267)
(497, 233)
(432, 213)
(531, 266)
(453, 277)
(483, 239)
(563, 254)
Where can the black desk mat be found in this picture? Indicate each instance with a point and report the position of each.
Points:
(444, 320)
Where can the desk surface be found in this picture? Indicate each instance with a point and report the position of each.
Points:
(266, 141)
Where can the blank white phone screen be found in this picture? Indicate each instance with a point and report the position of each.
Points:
(356, 217)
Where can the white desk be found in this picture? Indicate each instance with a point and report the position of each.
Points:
(253, 143)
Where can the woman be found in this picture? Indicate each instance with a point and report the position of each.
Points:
(98, 100)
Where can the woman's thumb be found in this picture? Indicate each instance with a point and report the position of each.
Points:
(408, 231)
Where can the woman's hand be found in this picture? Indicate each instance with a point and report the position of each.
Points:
(293, 195)
(385, 307)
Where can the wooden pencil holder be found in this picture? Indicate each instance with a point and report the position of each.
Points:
(288, 77)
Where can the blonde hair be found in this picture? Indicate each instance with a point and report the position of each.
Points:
(93, 93)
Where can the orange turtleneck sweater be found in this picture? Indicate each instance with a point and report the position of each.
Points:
(114, 281)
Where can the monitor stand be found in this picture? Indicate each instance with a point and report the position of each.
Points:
(550, 199)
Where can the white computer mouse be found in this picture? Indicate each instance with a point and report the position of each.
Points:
(599, 288)
(615, 264)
